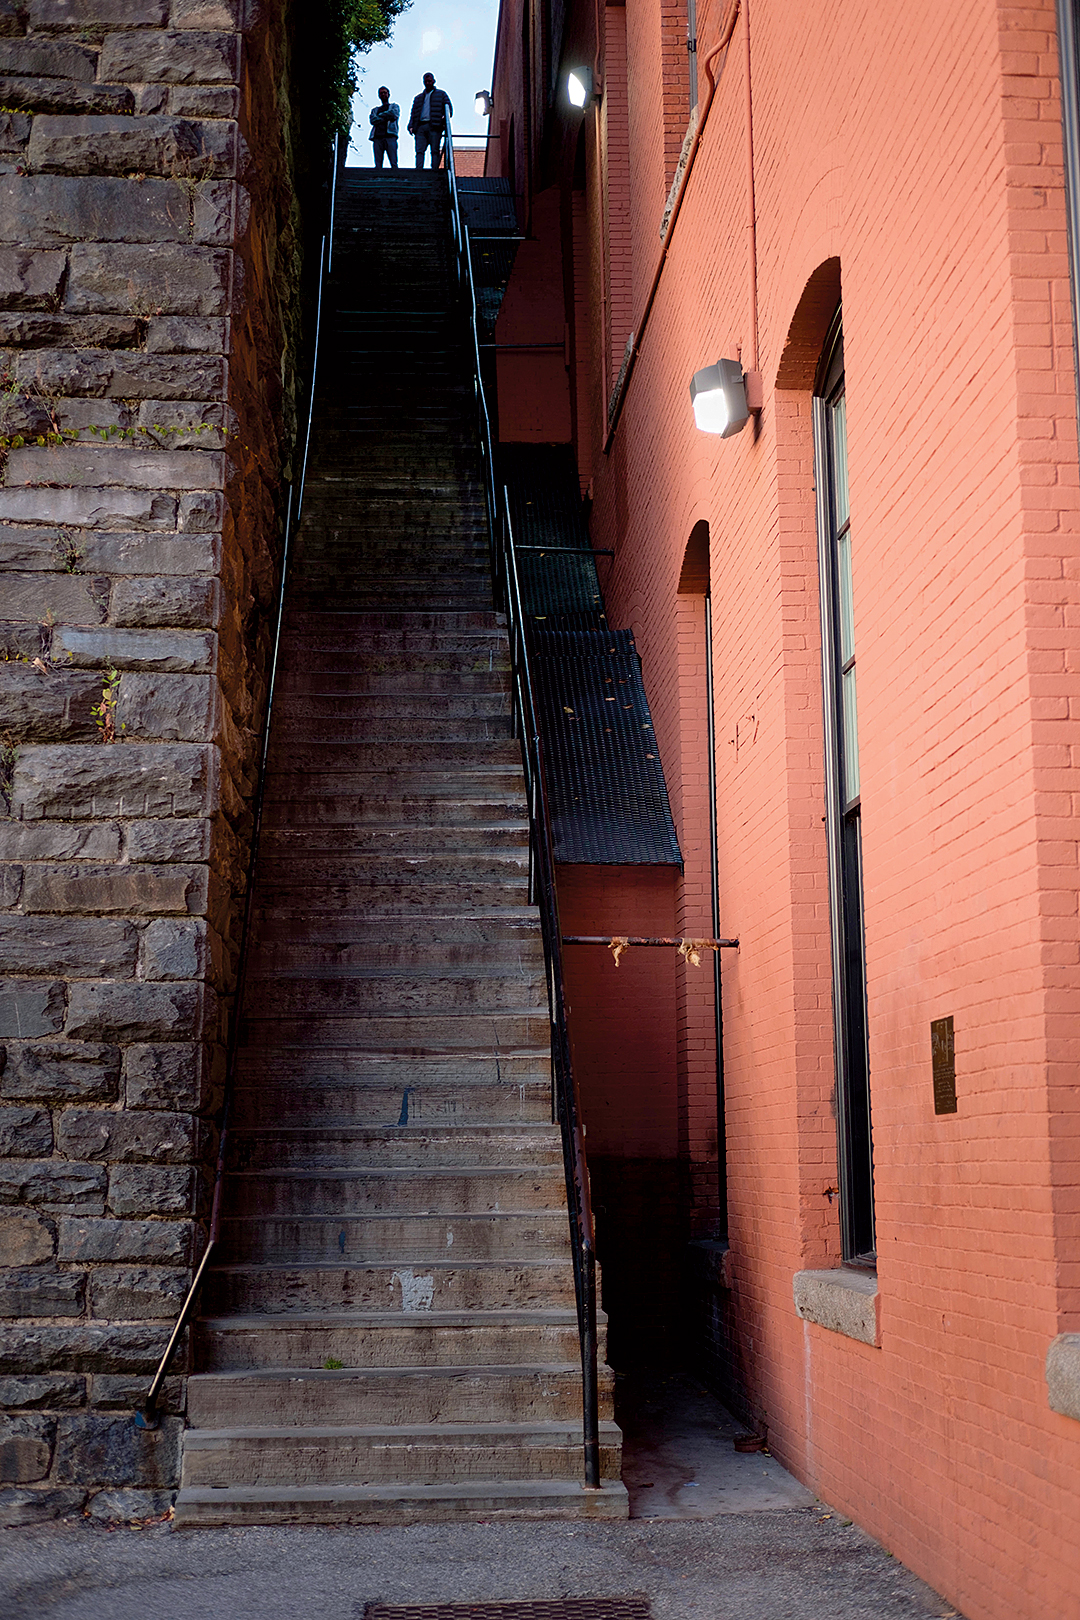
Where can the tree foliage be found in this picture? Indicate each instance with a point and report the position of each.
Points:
(354, 27)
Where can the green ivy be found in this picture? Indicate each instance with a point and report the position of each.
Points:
(352, 27)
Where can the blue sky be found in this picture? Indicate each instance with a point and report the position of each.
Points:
(453, 40)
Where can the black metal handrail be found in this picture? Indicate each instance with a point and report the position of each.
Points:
(566, 1105)
(148, 1413)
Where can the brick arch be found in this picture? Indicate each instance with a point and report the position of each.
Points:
(809, 328)
(694, 575)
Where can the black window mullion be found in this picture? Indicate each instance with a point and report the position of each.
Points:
(843, 828)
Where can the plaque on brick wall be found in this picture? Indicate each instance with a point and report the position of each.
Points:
(943, 1054)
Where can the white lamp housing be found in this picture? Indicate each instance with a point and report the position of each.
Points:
(718, 394)
(579, 86)
(482, 104)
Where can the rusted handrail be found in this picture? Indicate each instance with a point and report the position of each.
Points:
(566, 1106)
(148, 1413)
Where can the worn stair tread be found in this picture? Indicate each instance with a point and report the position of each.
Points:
(493, 1370)
(512, 1317)
(528, 1432)
(385, 1503)
(267, 1267)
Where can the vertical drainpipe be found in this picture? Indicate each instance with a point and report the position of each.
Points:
(1070, 118)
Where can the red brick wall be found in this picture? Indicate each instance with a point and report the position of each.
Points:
(916, 152)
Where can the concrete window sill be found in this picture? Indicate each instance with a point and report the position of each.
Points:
(1063, 1375)
(842, 1301)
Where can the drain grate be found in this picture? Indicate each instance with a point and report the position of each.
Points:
(586, 1608)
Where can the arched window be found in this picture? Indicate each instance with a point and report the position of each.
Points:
(843, 806)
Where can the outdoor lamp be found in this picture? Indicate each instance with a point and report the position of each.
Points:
(482, 104)
(579, 85)
(719, 398)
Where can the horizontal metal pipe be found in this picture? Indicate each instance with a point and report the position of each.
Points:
(646, 939)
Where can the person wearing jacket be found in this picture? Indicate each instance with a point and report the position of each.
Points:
(427, 121)
(384, 129)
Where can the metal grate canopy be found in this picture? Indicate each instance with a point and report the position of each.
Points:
(487, 204)
(587, 1608)
(609, 802)
(545, 501)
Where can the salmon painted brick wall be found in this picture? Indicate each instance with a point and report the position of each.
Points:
(623, 1039)
(907, 156)
(922, 151)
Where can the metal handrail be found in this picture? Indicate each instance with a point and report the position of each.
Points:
(148, 1414)
(566, 1103)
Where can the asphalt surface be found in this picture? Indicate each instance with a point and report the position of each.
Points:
(804, 1564)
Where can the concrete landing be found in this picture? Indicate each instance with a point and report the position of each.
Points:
(679, 1457)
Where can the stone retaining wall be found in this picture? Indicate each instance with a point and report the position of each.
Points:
(148, 275)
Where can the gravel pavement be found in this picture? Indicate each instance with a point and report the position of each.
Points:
(805, 1564)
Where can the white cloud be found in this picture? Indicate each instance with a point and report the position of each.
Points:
(431, 41)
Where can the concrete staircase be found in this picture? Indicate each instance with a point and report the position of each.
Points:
(389, 1334)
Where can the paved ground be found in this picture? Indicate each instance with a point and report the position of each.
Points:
(793, 1565)
(716, 1536)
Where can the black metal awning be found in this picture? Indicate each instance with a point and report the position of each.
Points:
(609, 801)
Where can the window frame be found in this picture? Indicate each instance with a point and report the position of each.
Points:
(843, 814)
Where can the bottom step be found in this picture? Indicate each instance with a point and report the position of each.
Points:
(399, 1504)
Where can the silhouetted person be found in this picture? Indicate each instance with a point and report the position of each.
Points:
(427, 121)
(384, 129)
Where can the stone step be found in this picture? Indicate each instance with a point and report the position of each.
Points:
(403, 838)
(464, 728)
(407, 1240)
(412, 1032)
(402, 923)
(371, 992)
(298, 1148)
(385, 1395)
(327, 590)
(387, 1339)
(390, 899)
(446, 1286)
(356, 1454)
(465, 1501)
(379, 1189)
(388, 754)
(420, 683)
(465, 1069)
(447, 625)
(410, 705)
(357, 554)
(513, 926)
(380, 798)
(374, 952)
(309, 1100)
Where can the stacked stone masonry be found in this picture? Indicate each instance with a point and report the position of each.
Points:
(146, 299)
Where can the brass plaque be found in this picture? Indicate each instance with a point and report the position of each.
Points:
(943, 1053)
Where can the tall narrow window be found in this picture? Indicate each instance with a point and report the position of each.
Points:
(843, 808)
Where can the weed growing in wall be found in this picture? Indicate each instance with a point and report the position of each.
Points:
(104, 713)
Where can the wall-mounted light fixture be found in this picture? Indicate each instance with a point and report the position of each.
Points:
(482, 104)
(579, 86)
(719, 398)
